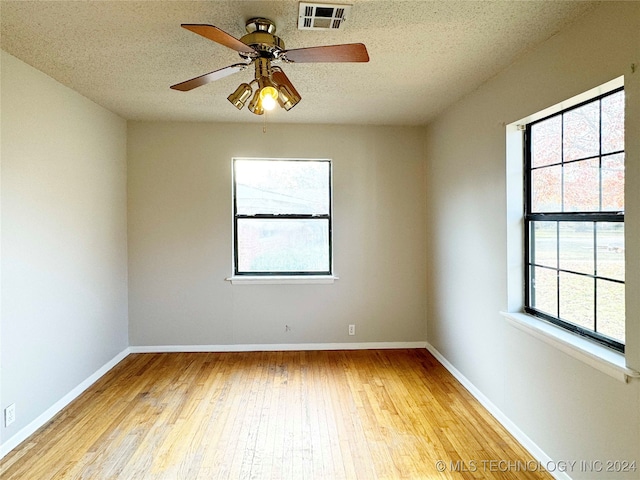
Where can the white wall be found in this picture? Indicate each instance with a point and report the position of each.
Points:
(64, 257)
(569, 409)
(180, 237)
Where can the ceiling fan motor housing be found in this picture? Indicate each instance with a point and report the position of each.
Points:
(261, 37)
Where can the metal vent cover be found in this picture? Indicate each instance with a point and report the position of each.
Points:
(322, 16)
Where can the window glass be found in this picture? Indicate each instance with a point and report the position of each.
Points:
(613, 182)
(546, 148)
(274, 245)
(282, 187)
(581, 186)
(581, 132)
(547, 189)
(282, 217)
(574, 219)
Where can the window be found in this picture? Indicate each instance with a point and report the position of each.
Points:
(574, 219)
(282, 217)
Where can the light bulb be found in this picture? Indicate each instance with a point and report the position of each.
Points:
(269, 96)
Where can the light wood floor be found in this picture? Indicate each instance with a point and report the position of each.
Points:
(374, 414)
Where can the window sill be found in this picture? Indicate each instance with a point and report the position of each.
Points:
(281, 280)
(599, 357)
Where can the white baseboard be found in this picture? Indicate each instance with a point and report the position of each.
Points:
(511, 427)
(275, 347)
(24, 433)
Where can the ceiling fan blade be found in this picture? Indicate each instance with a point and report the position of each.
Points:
(219, 36)
(281, 79)
(208, 77)
(349, 52)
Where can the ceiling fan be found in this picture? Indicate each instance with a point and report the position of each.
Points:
(261, 47)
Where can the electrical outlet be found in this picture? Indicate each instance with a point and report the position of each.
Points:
(352, 329)
(9, 414)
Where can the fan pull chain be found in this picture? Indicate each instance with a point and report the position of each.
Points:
(264, 122)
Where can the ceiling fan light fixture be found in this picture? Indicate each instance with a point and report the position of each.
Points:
(255, 105)
(269, 97)
(286, 98)
(240, 96)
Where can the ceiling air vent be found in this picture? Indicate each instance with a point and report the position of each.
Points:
(322, 16)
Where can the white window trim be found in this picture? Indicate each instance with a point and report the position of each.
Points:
(602, 358)
(281, 279)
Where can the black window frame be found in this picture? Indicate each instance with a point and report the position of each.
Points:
(320, 217)
(595, 217)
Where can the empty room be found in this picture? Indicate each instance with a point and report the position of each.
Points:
(270, 239)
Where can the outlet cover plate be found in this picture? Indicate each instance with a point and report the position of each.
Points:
(9, 414)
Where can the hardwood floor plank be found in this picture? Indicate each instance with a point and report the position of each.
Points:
(334, 415)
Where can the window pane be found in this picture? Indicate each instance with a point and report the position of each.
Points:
(582, 132)
(544, 295)
(282, 187)
(610, 238)
(613, 182)
(546, 142)
(576, 299)
(544, 244)
(573, 208)
(576, 247)
(613, 123)
(287, 245)
(610, 309)
(582, 186)
(546, 184)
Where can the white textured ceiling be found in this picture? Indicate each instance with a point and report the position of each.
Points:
(425, 55)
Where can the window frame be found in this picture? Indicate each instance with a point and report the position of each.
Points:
(279, 275)
(595, 217)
